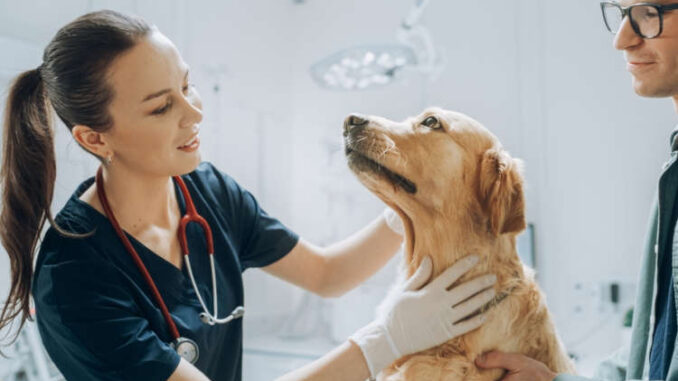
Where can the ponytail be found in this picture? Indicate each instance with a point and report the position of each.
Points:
(27, 178)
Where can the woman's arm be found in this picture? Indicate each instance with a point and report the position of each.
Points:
(418, 318)
(187, 372)
(344, 363)
(338, 268)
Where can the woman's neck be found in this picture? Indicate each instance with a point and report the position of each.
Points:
(138, 200)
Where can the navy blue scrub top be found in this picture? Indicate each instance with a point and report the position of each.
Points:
(95, 313)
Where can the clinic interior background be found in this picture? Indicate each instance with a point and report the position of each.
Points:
(542, 75)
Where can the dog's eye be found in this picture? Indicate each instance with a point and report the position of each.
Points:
(431, 122)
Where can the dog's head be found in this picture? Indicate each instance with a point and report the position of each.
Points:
(440, 162)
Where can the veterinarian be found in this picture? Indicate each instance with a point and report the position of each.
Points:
(648, 35)
(115, 296)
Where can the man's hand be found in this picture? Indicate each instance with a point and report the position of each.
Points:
(519, 367)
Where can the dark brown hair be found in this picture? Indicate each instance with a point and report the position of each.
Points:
(71, 81)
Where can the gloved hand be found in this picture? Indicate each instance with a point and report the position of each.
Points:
(393, 221)
(420, 318)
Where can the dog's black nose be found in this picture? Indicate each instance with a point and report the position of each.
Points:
(354, 120)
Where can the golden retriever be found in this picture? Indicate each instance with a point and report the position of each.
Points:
(458, 192)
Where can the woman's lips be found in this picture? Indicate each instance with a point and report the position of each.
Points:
(192, 147)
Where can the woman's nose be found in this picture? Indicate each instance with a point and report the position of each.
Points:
(193, 108)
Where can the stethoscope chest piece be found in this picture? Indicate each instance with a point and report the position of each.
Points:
(186, 348)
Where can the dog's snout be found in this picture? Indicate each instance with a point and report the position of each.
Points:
(354, 120)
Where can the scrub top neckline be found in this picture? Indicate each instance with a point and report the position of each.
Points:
(94, 212)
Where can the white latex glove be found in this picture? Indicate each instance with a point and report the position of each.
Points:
(393, 221)
(421, 318)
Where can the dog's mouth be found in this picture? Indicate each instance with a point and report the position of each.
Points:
(360, 162)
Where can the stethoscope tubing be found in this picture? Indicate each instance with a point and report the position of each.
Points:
(191, 215)
(195, 286)
(135, 257)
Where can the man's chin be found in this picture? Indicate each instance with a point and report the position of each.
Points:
(650, 90)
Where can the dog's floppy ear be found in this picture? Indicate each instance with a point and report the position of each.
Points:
(501, 191)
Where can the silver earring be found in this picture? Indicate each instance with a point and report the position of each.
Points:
(109, 160)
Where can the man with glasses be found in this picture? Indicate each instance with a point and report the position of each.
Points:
(648, 35)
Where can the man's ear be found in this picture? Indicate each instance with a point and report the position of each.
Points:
(501, 192)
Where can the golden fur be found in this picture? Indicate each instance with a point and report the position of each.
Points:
(468, 200)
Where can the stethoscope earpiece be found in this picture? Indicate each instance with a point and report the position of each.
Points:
(206, 319)
(237, 312)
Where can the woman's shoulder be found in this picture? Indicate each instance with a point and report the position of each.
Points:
(57, 248)
(208, 174)
(74, 241)
(64, 260)
(215, 184)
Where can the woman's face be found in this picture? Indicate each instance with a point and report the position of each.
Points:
(155, 110)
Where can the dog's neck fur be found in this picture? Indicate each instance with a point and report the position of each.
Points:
(445, 239)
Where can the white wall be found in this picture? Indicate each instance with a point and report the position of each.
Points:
(542, 75)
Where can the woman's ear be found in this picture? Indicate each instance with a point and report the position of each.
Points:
(501, 192)
(90, 140)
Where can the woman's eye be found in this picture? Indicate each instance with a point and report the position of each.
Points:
(431, 122)
(167, 106)
(163, 109)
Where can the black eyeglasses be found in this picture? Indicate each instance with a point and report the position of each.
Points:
(646, 18)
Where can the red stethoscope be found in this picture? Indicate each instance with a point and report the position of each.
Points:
(184, 346)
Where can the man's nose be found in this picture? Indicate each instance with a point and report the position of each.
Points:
(354, 120)
(626, 37)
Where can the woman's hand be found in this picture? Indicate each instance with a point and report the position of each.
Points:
(393, 221)
(519, 367)
(420, 318)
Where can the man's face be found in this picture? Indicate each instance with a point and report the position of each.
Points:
(653, 63)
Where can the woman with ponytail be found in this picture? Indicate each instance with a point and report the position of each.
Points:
(123, 91)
